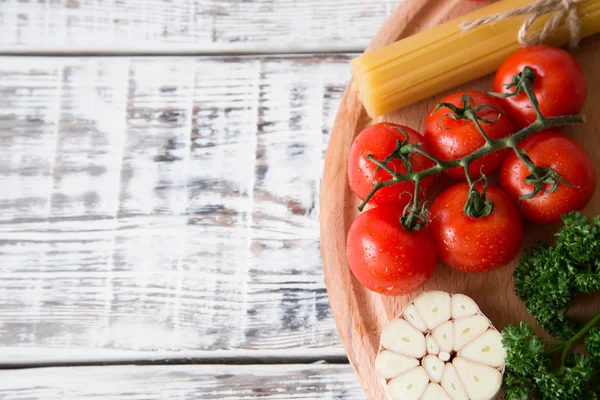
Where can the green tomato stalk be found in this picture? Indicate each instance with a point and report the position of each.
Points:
(477, 206)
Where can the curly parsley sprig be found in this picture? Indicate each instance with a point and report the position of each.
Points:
(547, 280)
(549, 277)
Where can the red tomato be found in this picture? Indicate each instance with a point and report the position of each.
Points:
(450, 139)
(476, 244)
(569, 159)
(559, 86)
(380, 141)
(385, 257)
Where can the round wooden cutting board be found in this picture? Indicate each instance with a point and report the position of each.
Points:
(361, 315)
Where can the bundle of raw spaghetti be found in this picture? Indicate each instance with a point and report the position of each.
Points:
(449, 55)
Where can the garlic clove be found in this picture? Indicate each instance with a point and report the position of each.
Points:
(400, 337)
(434, 367)
(480, 381)
(432, 346)
(463, 306)
(452, 384)
(468, 328)
(414, 318)
(390, 364)
(409, 386)
(435, 392)
(486, 349)
(434, 308)
(444, 336)
(444, 356)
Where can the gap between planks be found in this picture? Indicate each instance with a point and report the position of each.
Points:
(248, 55)
(36, 357)
(178, 50)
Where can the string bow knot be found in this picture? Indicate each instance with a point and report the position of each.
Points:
(559, 8)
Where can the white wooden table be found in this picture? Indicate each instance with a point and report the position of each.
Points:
(160, 164)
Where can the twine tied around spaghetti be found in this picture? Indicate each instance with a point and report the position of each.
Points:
(559, 8)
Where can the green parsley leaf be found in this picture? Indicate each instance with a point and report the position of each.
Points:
(592, 344)
(549, 277)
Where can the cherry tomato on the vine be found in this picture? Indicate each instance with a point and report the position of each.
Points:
(560, 85)
(568, 158)
(380, 141)
(387, 258)
(451, 139)
(476, 244)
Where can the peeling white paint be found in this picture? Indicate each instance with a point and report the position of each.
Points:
(207, 382)
(190, 27)
(167, 205)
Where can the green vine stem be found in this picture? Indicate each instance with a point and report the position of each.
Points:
(566, 346)
(539, 177)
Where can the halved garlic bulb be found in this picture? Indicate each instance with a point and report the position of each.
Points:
(441, 347)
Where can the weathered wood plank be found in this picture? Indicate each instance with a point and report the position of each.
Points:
(189, 26)
(28, 120)
(163, 204)
(219, 382)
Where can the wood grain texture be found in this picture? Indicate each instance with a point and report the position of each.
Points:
(163, 205)
(360, 314)
(218, 382)
(189, 26)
